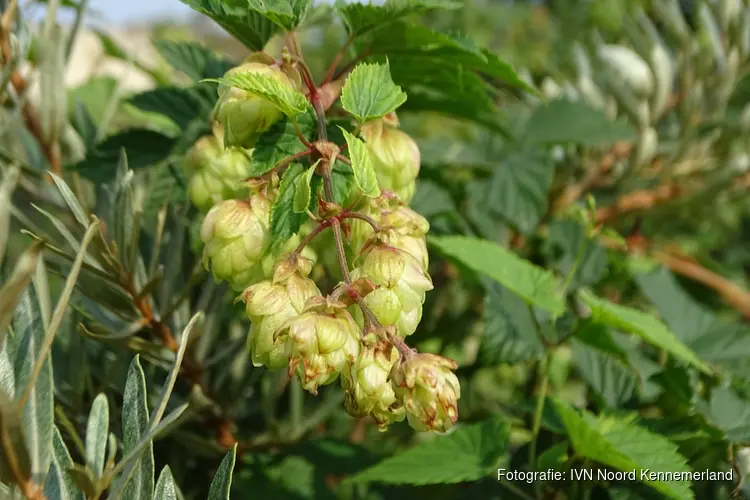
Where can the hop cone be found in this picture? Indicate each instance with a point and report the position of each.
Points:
(401, 227)
(401, 285)
(429, 391)
(324, 341)
(244, 115)
(271, 303)
(216, 173)
(395, 156)
(235, 234)
(367, 386)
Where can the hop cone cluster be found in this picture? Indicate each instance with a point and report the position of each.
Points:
(216, 173)
(355, 334)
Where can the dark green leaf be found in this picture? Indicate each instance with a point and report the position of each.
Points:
(285, 222)
(518, 189)
(731, 414)
(644, 325)
(196, 61)
(469, 453)
(222, 481)
(509, 331)
(369, 92)
(286, 14)
(248, 26)
(279, 142)
(534, 284)
(625, 446)
(612, 381)
(570, 238)
(143, 147)
(432, 199)
(563, 121)
(361, 18)
(181, 105)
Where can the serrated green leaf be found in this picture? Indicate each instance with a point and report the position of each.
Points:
(364, 172)
(279, 142)
(222, 482)
(302, 193)
(143, 147)
(60, 484)
(625, 446)
(179, 104)
(534, 284)
(285, 222)
(135, 415)
(248, 26)
(570, 238)
(411, 39)
(290, 101)
(509, 334)
(519, 187)
(165, 486)
(97, 432)
(369, 92)
(286, 14)
(360, 18)
(730, 413)
(644, 325)
(574, 122)
(38, 412)
(469, 453)
(195, 60)
(611, 380)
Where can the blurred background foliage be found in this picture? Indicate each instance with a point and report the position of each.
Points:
(518, 176)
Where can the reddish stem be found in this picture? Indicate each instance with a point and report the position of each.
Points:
(336, 60)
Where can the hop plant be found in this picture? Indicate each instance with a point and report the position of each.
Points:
(271, 303)
(367, 385)
(323, 341)
(394, 155)
(244, 115)
(215, 172)
(235, 236)
(401, 283)
(429, 390)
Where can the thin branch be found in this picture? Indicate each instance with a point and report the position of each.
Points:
(300, 134)
(336, 60)
(318, 229)
(358, 215)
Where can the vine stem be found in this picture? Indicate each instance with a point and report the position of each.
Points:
(541, 398)
(318, 229)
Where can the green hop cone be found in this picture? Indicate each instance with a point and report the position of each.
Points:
(401, 286)
(323, 341)
(216, 173)
(401, 227)
(271, 303)
(245, 116)
(367, 386)
(428, 389)
(395, 156)
(235, 234)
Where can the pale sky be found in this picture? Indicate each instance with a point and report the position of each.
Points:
(138, 10)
